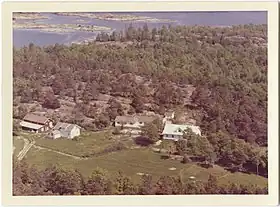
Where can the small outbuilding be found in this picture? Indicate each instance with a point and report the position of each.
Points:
(65, 130)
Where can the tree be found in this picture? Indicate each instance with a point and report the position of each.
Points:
(146, 186)
(151, 131)
(212, 185)
(51, 102)
(26, 96)
(57, 86)
(98, 183)
(123, 185)
(154, 33)
(186, 159)
(114, 109)
(181, 146)
(165, 186)
(16, 127)
(138, 104)
(62, 182)
(158, 124)
(20, 112)
(117, 131)
(102, 121)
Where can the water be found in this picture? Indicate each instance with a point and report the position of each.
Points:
(24, 37)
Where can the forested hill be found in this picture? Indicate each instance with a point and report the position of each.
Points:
(226, 67)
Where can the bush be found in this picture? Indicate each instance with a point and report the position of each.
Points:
(186, 159)
(143, 141)
(113, 148)
(116, 131)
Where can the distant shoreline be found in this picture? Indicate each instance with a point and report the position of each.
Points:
(116, 17)
(60, 28)
(28, 16)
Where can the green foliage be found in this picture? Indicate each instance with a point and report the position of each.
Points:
(181, 146)
(226, 66)
(151, 131)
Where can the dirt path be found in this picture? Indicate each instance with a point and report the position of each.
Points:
(223, 176)
(58, 152)
(25, 149)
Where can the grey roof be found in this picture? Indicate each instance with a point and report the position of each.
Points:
(146, 119)
(30, 125)
(125, 119)
(133, 119)
(64, 126)
(176, 129)
(35, 118)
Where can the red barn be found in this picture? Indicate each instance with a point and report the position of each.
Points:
(35, 123)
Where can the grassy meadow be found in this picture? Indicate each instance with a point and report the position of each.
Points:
(131, 161)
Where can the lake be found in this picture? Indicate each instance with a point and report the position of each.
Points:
(24, 37)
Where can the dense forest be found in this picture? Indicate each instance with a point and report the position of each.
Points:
(154, 69)
(54, 181)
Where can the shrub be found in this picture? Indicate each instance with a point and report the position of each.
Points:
(186, 159)
(116, 131)
(143, 141)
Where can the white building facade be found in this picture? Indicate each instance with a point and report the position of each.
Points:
(176, 131)
(65, 130)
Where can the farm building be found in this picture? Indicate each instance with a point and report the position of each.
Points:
(35, 123)
(135, 122)
(65, 130)
(176, 131)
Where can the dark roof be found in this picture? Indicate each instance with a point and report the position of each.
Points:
(35, 118)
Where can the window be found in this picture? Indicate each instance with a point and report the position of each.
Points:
(172, 136)
(131, 123)
(118, 122)
(140, 122)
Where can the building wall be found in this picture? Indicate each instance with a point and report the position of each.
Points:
(56, 136)
(172, 137)
(64, 133)
(74, 132)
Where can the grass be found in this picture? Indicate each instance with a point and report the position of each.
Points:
(143, 160)
(18, 144)
(129, 161)
(86, 145)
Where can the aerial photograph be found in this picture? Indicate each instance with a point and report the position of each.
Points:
(140, 103)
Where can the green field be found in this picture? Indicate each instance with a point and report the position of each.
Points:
(129, 161)
(86, 145)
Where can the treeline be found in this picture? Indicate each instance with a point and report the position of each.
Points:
(55, 181)
(152, 68)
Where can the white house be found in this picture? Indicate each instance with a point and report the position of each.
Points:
(134, 122)
(176, 131)
(65, 130)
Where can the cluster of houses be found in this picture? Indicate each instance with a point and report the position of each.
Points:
(170, 131)
(132, 124)
(37, 124)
